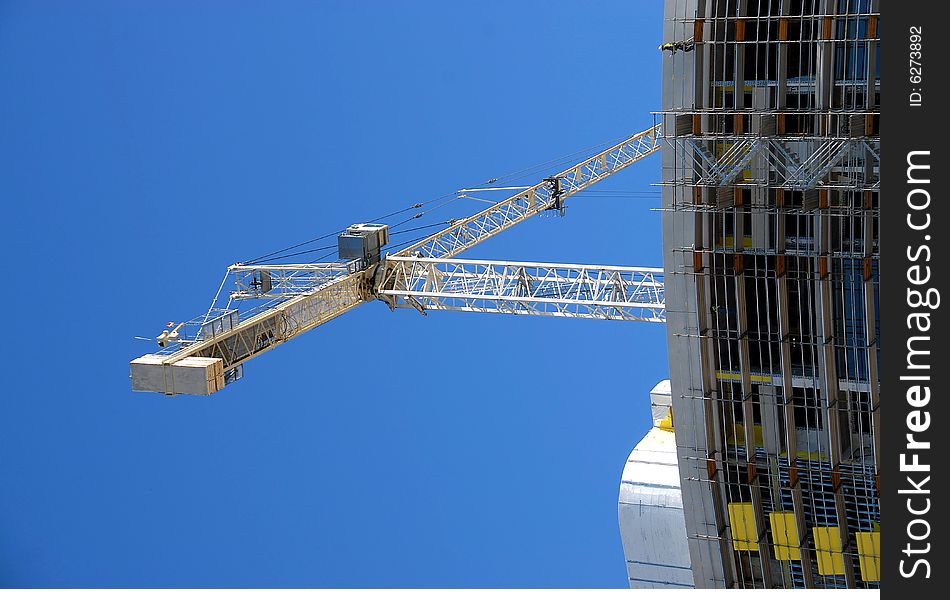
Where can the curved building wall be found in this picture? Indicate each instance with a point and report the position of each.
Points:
(650, 510)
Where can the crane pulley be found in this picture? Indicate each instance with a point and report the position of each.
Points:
(208, 353)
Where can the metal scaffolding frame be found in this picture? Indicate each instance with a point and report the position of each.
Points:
(771, 178)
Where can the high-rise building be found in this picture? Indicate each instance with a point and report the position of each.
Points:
(771, 178)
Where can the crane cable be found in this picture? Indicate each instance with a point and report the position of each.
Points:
(421, 227)
(552, 162)
(269, 255)
(302, 252)
(453, 196)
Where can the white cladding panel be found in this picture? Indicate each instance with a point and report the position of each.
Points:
(660, 401)
(652, 524)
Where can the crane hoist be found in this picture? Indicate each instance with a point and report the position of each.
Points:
(201, 356)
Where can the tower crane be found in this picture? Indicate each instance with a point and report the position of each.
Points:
(201, 356)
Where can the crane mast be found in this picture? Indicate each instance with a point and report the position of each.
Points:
(296, 298)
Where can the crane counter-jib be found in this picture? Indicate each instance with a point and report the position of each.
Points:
(231, 349)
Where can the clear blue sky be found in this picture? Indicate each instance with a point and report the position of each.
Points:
(147, 145)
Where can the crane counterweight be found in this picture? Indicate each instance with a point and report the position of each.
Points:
(363, 242)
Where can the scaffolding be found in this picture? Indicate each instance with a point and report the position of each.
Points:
(771, 179)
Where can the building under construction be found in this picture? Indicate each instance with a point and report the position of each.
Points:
(771, 178)
(761, 469)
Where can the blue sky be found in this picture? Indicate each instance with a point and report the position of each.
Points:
(147, 145)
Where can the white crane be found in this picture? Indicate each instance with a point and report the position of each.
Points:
(209, 352)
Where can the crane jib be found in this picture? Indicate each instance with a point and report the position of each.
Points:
(425, 276)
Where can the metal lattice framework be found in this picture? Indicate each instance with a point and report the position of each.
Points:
(794, 162)
(549, 194)
(522, 288)
(280, 323)
(282, 281)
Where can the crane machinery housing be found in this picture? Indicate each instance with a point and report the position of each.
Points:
(202, 356)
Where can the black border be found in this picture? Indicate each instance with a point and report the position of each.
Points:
(905, 128)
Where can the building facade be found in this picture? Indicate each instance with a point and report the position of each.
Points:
(650, 507)
(771, 180)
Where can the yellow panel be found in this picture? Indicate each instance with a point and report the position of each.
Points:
(869, 554)
(744, 532)
(785, 536)
(727, 376)
(738, 436)
(757, 436)
(828, 549)
(728, 242)
(667, 423)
